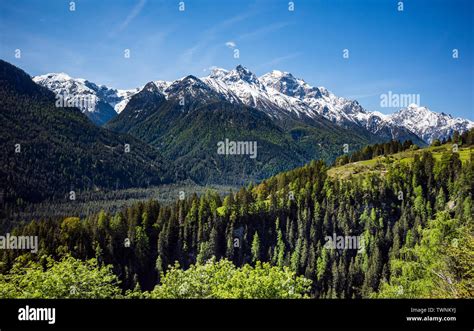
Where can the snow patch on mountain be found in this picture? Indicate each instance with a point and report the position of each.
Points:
(429, 125)
(124, 96)
(242, 86)
(96, 101)
(320, 101)
(122, 99)
(74, 89)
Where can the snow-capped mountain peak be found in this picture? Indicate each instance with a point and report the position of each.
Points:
(284, 82)
(58, 76)
(245, 74)
(65, 84)
(189, 83)
(123, 97)
(427, 124)
(191, 90)
(98, 102)
(243, 86)
(162, 84)
(152, 88)
(320, 101)
(277, 93)
(239, 75)
(218, 73)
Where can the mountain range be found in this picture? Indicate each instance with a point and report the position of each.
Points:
(276, 93)
(173, 130)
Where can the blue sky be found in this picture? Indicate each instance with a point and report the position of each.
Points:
(403, 52)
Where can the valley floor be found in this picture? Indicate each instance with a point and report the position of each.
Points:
(88, 203)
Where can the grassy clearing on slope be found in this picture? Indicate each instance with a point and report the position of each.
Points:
(380, 163)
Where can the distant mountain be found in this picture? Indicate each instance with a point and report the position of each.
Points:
(428, 124)
(347, 113)
(120, 98)
(242, 86)
(190, 117)
(279, 94)
(140, 106)
(99, 103)
(49, 151)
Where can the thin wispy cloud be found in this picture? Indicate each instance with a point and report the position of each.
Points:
(209, 35)
(273, 62)
(362, 96)
(371, 89)
(131, 16)
(210, 69)
(263, 31)
(230, 44)
(233, 20)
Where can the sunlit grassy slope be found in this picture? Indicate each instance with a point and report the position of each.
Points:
(380, 164)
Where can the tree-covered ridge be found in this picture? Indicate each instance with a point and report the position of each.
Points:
(47, 151)
(409, 216)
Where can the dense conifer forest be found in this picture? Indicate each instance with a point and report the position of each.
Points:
(410, 210)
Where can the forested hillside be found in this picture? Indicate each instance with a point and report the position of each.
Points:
(412, 210)
(189, 124)
(49, 151)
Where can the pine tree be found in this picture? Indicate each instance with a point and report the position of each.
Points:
(256, 248)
